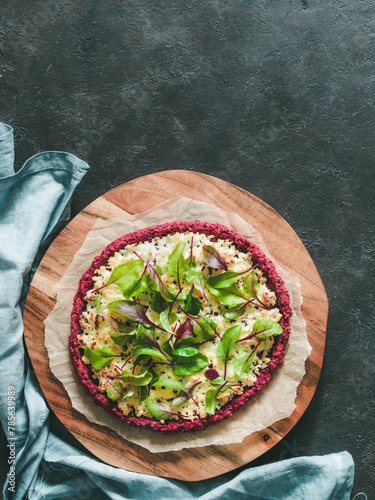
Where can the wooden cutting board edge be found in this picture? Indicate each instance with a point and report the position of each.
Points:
(219, 458)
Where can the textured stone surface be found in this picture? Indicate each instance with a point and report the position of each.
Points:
(275, 97)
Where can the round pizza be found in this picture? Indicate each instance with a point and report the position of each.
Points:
(176, 326)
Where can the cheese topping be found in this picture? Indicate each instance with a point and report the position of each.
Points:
(196, 385)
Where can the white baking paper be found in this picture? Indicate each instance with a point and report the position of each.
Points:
(274, 402)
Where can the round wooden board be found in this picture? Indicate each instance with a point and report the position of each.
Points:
(135, 197)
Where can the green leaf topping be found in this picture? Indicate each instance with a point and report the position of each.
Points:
(200, 283)
(187, 342)
(185, 351)
(142, 392)
(192, 304)
(212, 394)
(226, 344)
(126, 275)
(157, 283)
(264, 328)
(211, 399)
(251, 285)
(133, 311)
(99, 358)
(191, 264)
(139, 286)
(167, 319)
(183, 366)
(158, 303)
(185, 330)
(142, 379)
(230, 297)
(225, 280)
(167, 348)
(203, 327)
(122, 338)
(213, 259)
(97, 303)
(235, 311)
(243, 363)
(130, 392)
(227, 341)
(115, 389)
(161, 411)
(177, 264)
(169, 383)
(149, 351)
(178, 343)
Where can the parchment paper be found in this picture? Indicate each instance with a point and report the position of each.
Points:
(274, 402)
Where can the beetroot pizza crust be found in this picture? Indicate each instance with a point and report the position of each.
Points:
(277, 354)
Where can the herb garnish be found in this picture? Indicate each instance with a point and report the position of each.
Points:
(167, 321)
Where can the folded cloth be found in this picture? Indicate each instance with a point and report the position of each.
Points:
(46, 462)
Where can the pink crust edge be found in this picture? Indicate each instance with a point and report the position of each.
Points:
(220, 232)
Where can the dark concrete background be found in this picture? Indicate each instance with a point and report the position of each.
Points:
(275, 97)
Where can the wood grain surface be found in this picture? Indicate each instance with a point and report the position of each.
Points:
(135, 197)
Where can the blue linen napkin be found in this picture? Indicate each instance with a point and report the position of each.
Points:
(49, 463)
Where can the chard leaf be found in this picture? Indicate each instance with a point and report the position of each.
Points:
(167, 348)
(192, 304)
(264, 328)
(230, 297)
(158, 303)
(144, 336)
(130, 392)
(227, 279)
(97, 303)
(142, 379)
(187, 342)
(211, 396)
(191, 265)
(235, 311)
(183, 366)
(121, 338)
(211, 400)
(184, 331)
(177, 264)
(251, 285)
(166, 320)
(184, 395)
(213, 259)
(161, 411)
(139, 286)
(227, 342)
(143, 357)
(203, 327)
(157, 283)
(142, 392)
(181, 398)
(243, 364)
(169, 383)
(134, 311)
(219, 381)
(125, 328)
(149, 351)
(115, 389)
(99, 358)
(185, 351)
(223, 280)
(155, 377)
(125, 275)
(200, 284)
